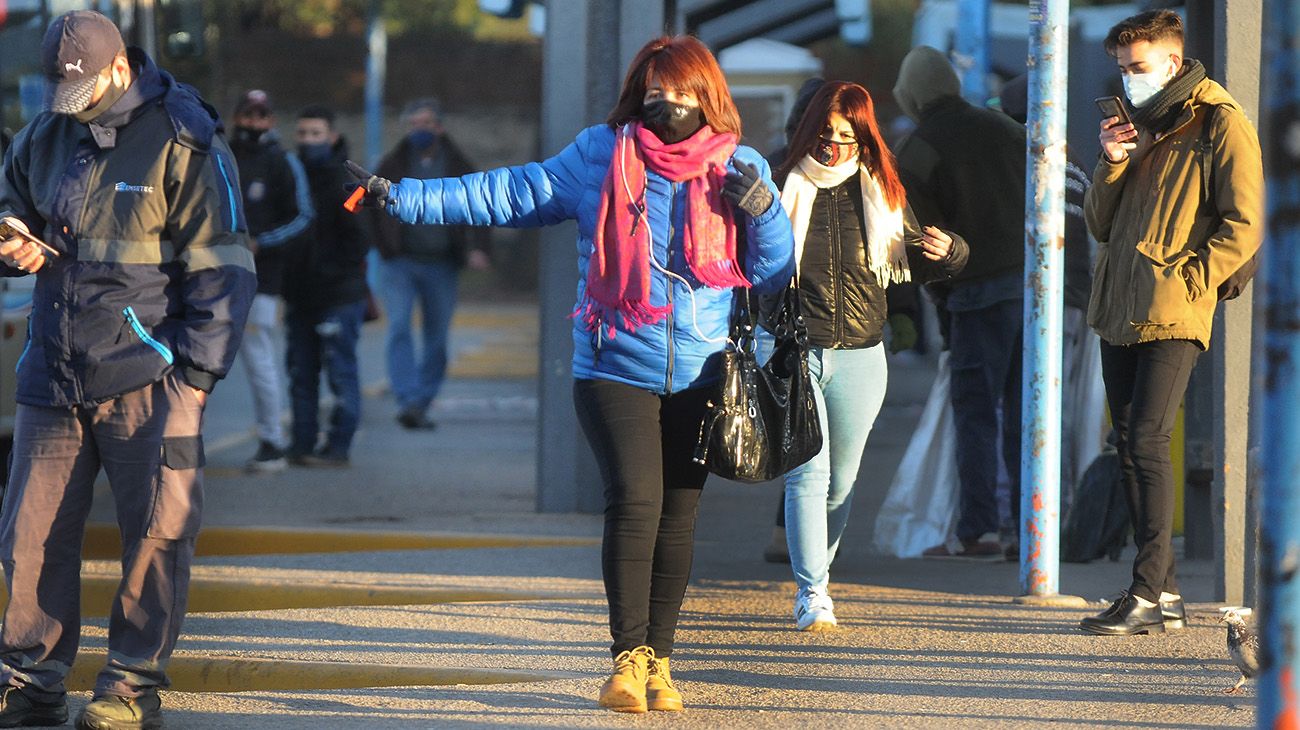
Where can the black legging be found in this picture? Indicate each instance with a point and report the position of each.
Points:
(643, 444)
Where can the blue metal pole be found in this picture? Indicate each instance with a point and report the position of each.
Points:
(972, 49)
(376, 64)
(1040, 459)
(1280, 442)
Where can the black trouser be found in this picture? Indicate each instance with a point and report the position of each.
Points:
(1144, 385)
(643, 444)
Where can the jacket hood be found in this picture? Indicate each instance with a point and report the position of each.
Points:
(925, 77)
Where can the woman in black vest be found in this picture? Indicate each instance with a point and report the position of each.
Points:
(854, 236)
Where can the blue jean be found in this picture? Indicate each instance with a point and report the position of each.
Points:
(850, 387)
(324, 340)
(987, 347)
(403, 282)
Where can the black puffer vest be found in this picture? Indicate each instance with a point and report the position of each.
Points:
(843, 304)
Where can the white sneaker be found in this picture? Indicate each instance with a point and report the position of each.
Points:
(814, 610)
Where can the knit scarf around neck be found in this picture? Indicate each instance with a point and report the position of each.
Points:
(618, 274)
(1160, 114)
(886, 253)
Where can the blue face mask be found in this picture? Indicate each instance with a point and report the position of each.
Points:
(314, 154)
(422, 139)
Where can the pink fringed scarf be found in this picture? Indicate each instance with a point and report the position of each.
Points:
(618, 275)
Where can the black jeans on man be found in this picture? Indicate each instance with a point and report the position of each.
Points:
(643, 444)
(1144, 386)
(986, 360)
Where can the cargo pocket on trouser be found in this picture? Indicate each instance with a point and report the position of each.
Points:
(178, 490)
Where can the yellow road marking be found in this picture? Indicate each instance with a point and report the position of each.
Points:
(102, 541)
(209, 595)
(241, 674)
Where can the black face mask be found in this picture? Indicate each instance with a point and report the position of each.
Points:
(315, 154)
(246, 136)
(671, 122)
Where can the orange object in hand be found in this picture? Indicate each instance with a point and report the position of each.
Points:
(354, 200)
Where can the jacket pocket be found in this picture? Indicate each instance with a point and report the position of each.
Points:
(163, 351)
(1165, 283)
(178, 489)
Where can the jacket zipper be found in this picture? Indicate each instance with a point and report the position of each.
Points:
(230, 193)
(837, 294)
(27, 346)
(144, 336)
(668, 283)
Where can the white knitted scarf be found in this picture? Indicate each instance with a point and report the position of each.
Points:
(886, 253)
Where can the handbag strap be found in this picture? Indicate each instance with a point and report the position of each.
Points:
(742, 320)
(789, 321)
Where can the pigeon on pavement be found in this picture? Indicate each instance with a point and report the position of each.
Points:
(1243, 646)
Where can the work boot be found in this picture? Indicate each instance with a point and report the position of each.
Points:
(111, 712)
(624, 691)
(660, 694)
(19, 710)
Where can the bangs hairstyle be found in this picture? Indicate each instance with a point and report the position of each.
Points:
(853, 103)
(1152, 26)
(685, 64)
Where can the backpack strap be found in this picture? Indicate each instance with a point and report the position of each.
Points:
(1206, 147)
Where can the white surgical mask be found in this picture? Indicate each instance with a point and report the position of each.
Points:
(1140, 88)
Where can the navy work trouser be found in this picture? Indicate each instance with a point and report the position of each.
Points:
(148, 442)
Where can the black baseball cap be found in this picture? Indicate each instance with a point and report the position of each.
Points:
(77, 47)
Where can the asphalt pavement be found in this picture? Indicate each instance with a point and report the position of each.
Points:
(359, 624)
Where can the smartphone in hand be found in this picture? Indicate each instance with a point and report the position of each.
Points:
(8, 231)
(1112, 106)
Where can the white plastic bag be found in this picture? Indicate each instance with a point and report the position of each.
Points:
(920, 510)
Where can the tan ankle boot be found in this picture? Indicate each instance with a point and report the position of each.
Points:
(659, 690)
(624, 691)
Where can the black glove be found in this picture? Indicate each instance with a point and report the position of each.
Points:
(376, 187)
(746, 190)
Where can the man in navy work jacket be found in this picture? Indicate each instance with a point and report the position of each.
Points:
(138, 309)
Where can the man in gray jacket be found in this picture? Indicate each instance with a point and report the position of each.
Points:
(143, 282)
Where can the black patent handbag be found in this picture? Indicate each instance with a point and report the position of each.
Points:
(762, 421)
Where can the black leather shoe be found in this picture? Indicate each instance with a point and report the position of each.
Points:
(1124, 618)
(1174, 613)
(19, 710)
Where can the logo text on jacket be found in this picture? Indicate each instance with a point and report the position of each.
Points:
(124, 188)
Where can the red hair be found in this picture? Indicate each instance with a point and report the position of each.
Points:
(852, 102)
(683, 63)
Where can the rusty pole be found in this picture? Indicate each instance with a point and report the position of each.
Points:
(1040, 459)
(1280, 459)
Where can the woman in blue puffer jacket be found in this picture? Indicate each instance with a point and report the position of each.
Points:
(672, 215)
